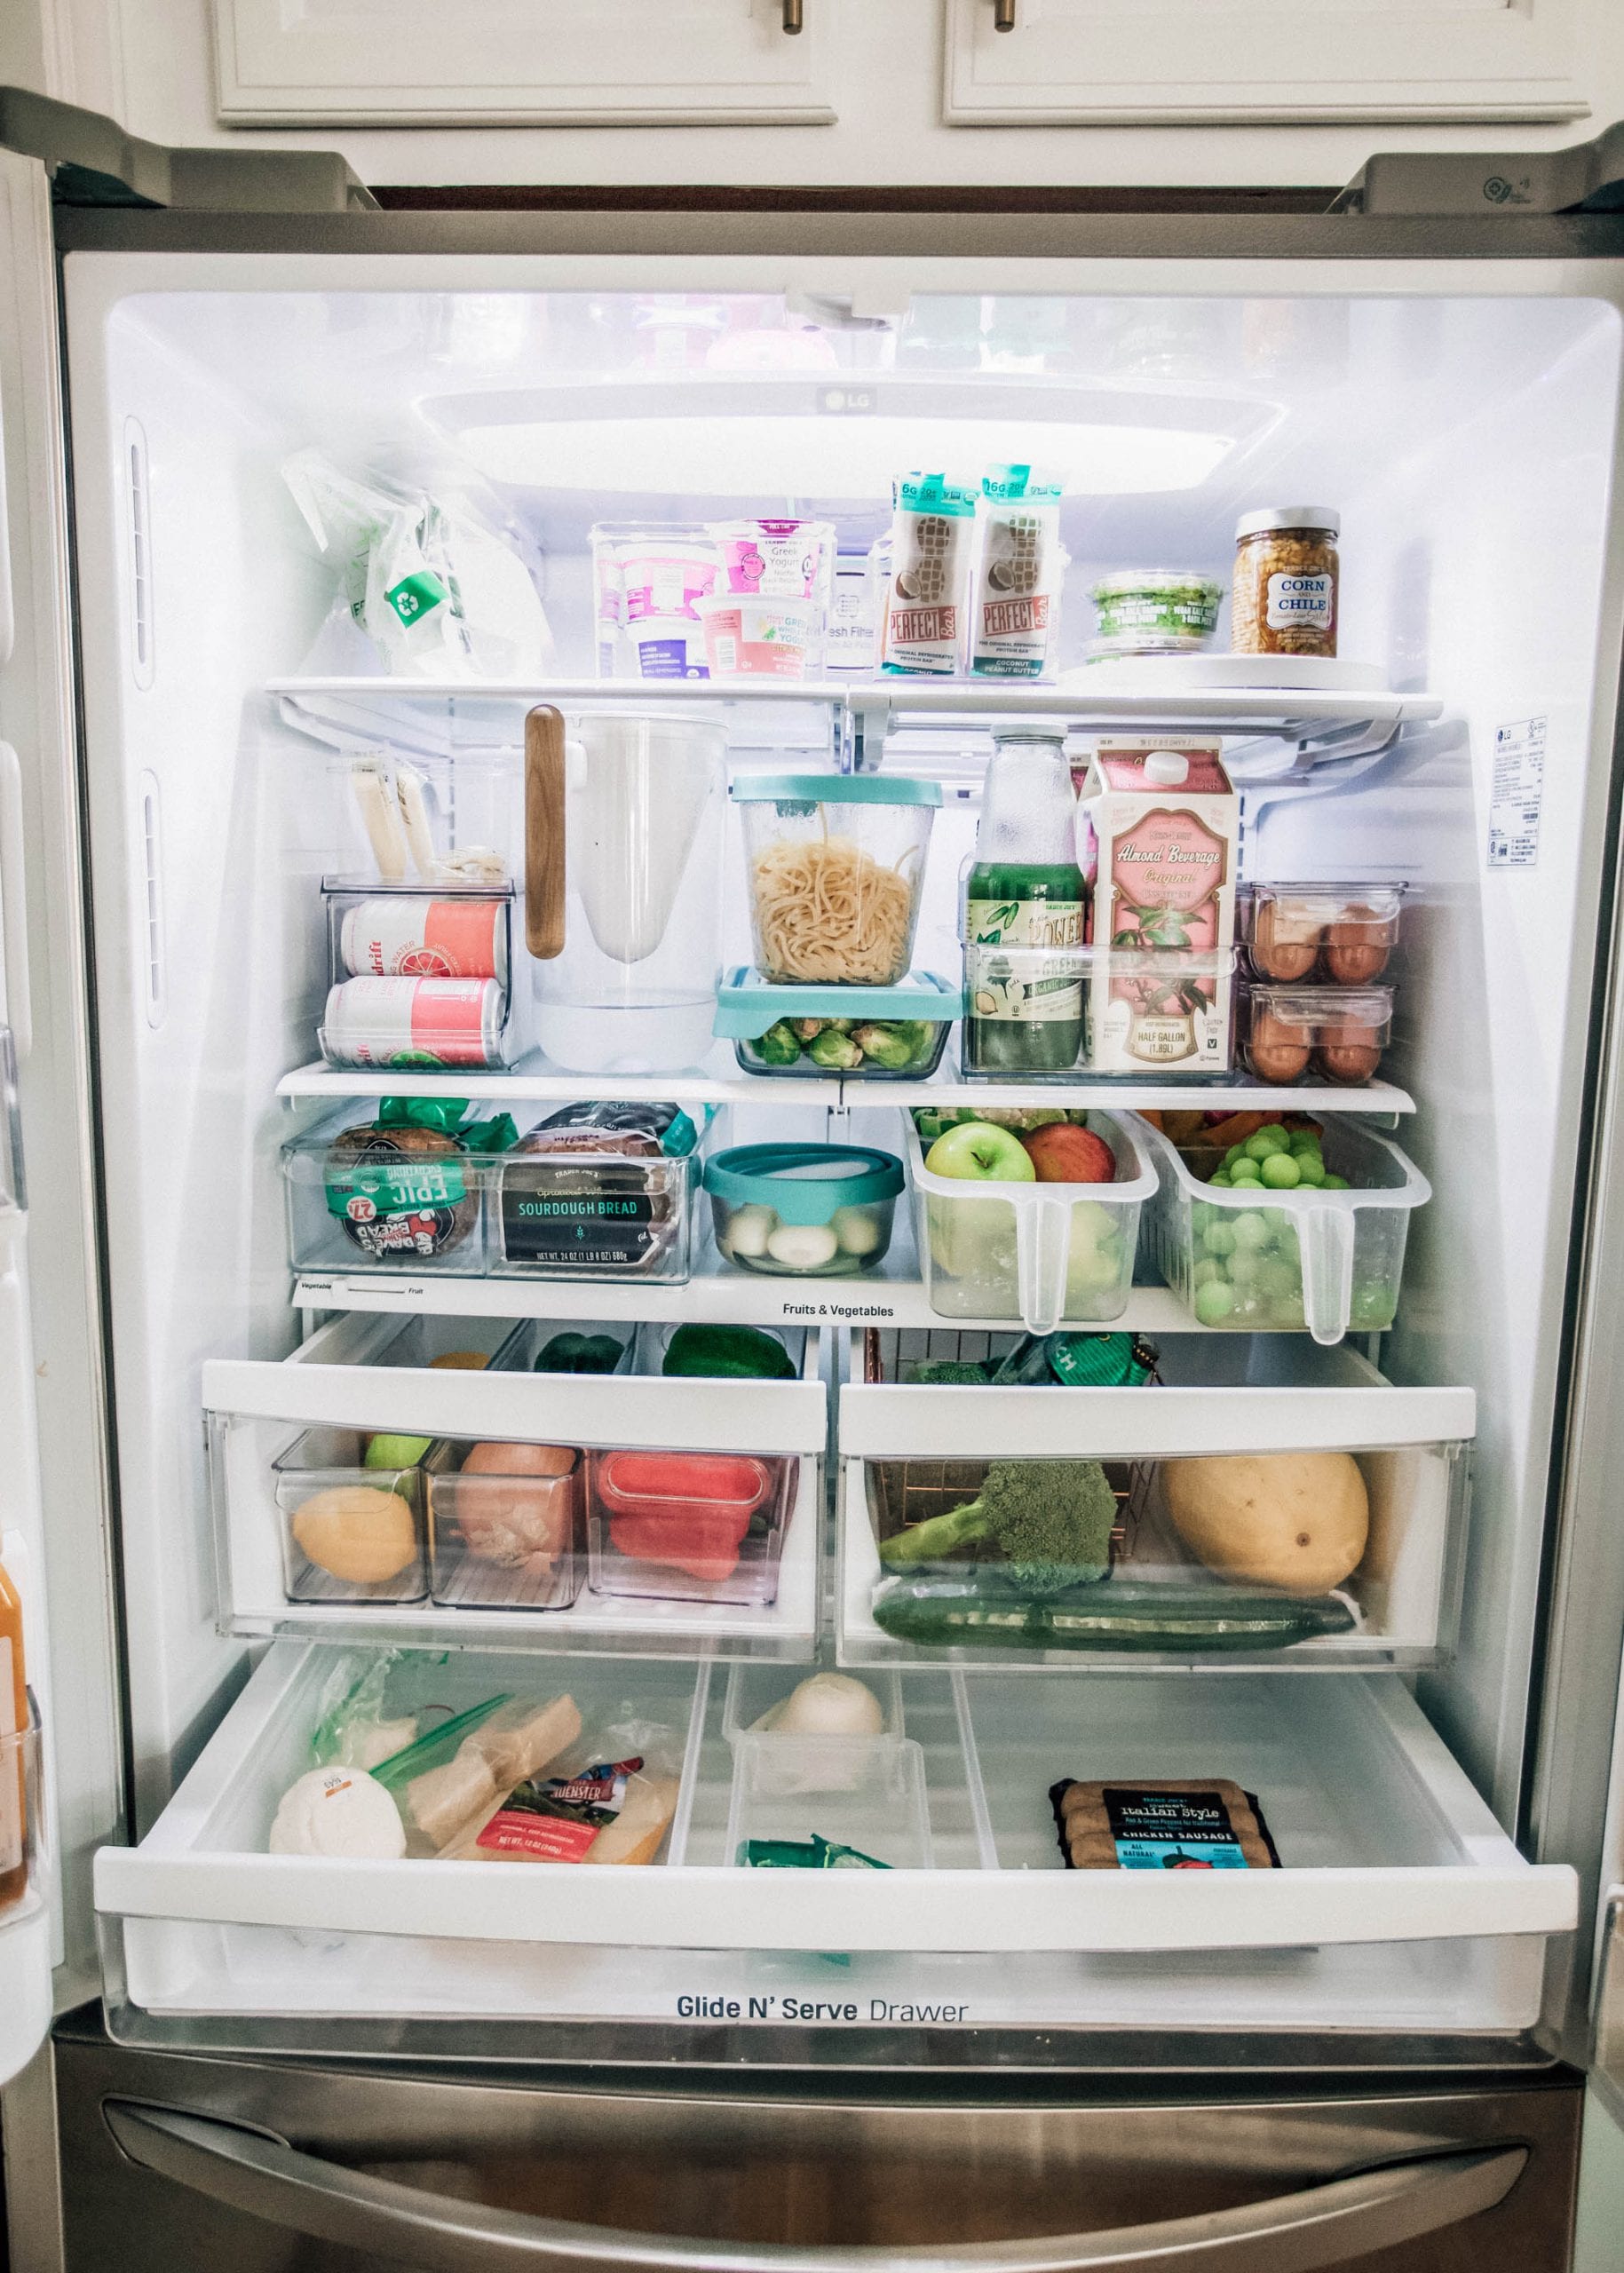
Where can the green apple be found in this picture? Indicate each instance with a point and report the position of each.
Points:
(396, 1452)
(981, 1152)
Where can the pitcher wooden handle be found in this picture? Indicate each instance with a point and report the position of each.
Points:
(544, 854)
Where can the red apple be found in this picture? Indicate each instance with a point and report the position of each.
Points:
(1062, 1152)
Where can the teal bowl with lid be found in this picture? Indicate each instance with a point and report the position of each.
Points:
(804, 1211)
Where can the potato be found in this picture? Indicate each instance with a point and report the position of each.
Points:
(1297, 1521)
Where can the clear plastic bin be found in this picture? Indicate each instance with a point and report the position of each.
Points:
(430, 823)
(534, 1339)
(1126, 1012)
(849, 1034)
(595, 1214)
(1339, 1033)
(869, 1795)
(21, 1819)
(505, 1525)
(415, 974)
(1344, 933)
(688, 1526)
(351, 1531)
(1323, 1261)
(836, 864)
(755, 1690)
(365, 1195)
(1043, 1253)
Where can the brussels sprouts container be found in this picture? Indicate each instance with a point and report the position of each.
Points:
(859, 1034)
(1041, 1252)
(1295, 1260)
(804, 1211)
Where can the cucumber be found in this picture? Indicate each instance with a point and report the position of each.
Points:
(963, 1611)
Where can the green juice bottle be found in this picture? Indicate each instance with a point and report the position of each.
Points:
(1023, 912)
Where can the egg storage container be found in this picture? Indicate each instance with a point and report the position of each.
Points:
(792, 1799)
(1344, 933)
(350, 1506)
(1043, 1253)
(834, 864)
(677, 1526)
(804, 1211)
(420, 976)
(505, 1525)
(396, 1185)
(599, 1191)
(868, 1034)
(1337, 1031)
(1308, 1259)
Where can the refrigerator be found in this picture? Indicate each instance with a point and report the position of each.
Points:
(1374, 2054)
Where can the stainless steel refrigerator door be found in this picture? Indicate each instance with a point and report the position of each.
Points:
(174, 2160)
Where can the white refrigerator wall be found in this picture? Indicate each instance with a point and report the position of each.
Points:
(1454, 414)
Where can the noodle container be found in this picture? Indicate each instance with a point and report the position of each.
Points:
(836, 864)
(750, 636)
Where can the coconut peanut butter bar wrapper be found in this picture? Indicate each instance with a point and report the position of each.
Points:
(1195, 1823)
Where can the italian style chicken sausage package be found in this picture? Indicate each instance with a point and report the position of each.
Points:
(438, 593)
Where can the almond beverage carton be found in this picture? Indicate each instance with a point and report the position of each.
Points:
(1159, 844)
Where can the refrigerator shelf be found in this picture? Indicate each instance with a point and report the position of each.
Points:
(361, 1375)
(907, 1451)
(719, 1081)
(1400, 1905)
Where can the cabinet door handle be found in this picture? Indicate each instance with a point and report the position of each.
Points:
(794, 15)
(1003, 15)
(257, 2171)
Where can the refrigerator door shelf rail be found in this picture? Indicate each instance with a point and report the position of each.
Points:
(853, 719)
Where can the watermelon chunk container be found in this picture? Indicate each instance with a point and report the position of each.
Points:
(1305, 1260)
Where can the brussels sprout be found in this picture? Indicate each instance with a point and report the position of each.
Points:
(840, 1026)
(805, 1029)
(895, 1045)
(837, 1051)
(778, 1046)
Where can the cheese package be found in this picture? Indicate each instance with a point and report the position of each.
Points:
(1193, 1823)
(610, 1813)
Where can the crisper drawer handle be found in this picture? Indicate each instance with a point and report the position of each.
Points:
(256, 2172)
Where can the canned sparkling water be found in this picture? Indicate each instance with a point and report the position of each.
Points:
(401, 937)
(415, 1022)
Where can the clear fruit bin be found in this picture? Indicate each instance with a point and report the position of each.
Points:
(1344, 933)
(391, 1186)
(850, 1033)
(682, 1526)
(1340, 1033)
(505, 1525)
(563, 1347)
(1323, 1261)
(1041, 1252)
(352, 1517)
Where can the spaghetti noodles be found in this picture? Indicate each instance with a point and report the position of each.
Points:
(827, 912)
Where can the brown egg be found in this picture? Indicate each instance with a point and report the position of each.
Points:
(1281, 947)
(1275, 1051)
(1348, 1053)
(1356, 951)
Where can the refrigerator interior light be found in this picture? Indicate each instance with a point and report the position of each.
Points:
(781, 454)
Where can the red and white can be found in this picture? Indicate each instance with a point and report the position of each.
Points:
(402, 937)
(415, 1022)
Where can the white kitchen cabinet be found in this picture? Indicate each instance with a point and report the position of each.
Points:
(514, 62)
(1221, 62)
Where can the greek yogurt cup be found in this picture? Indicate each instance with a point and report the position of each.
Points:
(666, 646)
(749, 636)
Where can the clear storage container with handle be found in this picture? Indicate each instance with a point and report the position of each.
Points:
(1323, 1261)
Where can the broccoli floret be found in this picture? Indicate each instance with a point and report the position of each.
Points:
(1052, 1519)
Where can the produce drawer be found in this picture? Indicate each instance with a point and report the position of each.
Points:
(527, 1561)
(1399, 1904)
(1386, 1513)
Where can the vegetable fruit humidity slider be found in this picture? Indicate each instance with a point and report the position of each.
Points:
(1052, 1519)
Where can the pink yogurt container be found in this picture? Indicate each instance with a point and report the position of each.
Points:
(786, 560)
(749, 637)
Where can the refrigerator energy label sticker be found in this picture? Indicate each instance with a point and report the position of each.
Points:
(1515, 794)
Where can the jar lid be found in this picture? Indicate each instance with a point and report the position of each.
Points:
(1171, 583)
(803, 1183)
(1288, 517)
(1032, 730)
(834, 789)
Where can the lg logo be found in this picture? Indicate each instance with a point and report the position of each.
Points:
(1499, 191)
